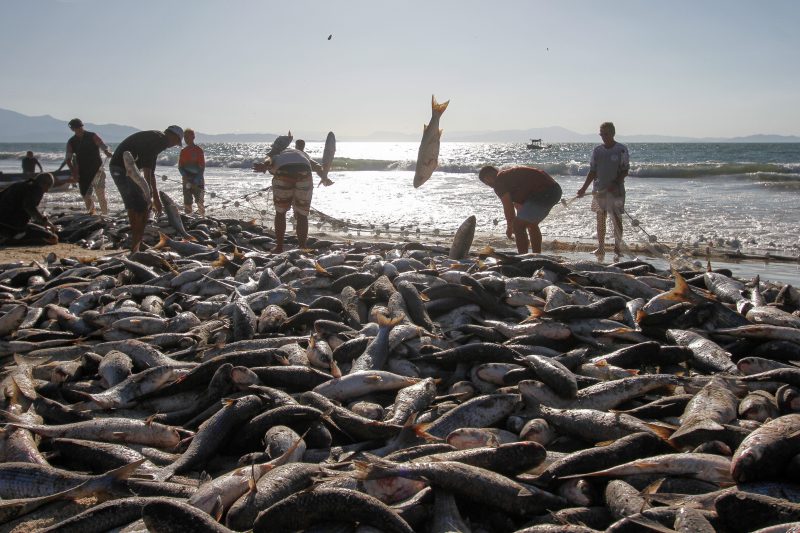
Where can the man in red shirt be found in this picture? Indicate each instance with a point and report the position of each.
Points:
(191, 165)
(528, 194)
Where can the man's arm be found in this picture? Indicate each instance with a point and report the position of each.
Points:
(39, 165)
(510, 213)
(150, 177)
(33, 210)
(68, 159)
(589, 179)
(100, 144)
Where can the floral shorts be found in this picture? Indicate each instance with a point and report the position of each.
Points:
(292, 190)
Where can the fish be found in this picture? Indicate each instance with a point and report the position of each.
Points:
(174, 216)
(132, 171)
(328, 152)
(280, 143)
(428, 154)
(462, 240)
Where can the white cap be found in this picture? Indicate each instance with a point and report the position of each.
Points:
(177, 130)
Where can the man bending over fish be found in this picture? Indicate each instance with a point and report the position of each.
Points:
(292, 186)
(528, 194)
(19, 203)
(139, 194)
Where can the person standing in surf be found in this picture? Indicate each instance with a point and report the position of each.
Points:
(192, 165)
(528, 194)
(144, 146)
(29, 164)
(83, 159)
(292, 186)
(608, 168)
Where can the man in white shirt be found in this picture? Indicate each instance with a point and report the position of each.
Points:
(608, 168)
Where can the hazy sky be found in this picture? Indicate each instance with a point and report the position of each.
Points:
(696, 68)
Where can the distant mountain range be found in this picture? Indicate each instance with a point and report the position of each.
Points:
(16, 127)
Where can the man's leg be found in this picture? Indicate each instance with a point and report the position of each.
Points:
(616, 220)
(280, 231)
(601, 235)
(536, 237)
(89, 203)
(521, 235)
(138, 221)
(302, 229)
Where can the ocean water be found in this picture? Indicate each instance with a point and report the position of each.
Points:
(720, 197)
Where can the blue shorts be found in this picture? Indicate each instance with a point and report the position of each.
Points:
(538, 206)
(132, 194)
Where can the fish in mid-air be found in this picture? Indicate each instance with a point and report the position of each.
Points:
(428, 155)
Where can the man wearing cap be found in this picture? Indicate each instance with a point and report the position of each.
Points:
(144, 146)
(83, 159)
(19, 203)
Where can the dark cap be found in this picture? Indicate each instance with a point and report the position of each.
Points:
(75, 123)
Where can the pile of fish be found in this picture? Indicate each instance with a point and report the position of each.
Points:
(208, 385)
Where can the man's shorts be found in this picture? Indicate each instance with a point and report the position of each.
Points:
(86, 178)
(132, 195)
(606, 202)
(537, 207)
(292, 189)
(193, 189)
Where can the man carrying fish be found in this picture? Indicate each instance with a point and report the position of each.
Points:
(608, 167)
(528, 194)
(83, 159)
(144, 146)
(292, 186)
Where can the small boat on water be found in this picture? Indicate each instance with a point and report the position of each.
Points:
(535, 144)
(61, 179)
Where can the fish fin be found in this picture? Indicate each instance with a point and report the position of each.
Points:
(438, 108)
(421, 430)
(321, 270)
(124, 472)
(640, 315)
(336, 372)
(604, 443)
(653, 487)
(702, 425)
(217, 509)
(660, 430)
(162, 241)
(535, 311)
(650, 525)
(221, 261)
(601, 363)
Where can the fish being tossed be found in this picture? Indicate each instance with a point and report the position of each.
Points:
(428, 155)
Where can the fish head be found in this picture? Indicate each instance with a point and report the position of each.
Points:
(742, 466)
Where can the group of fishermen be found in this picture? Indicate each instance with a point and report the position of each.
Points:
(527, 194)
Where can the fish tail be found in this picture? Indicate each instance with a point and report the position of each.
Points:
(221, 261)
(385, 321)
(123, 472)
(661, 431)
(438, 108)
(421, 430)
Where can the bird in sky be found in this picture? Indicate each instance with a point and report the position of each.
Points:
(330, 36)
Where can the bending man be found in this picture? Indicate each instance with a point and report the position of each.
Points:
(528, 194)
(144, 146)
(19, 203)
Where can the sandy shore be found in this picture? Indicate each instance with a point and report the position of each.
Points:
(26, 254)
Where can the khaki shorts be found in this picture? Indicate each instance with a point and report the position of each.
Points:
(604, 202)
(293, 190)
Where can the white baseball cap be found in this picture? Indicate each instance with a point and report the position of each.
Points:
(177, 130)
